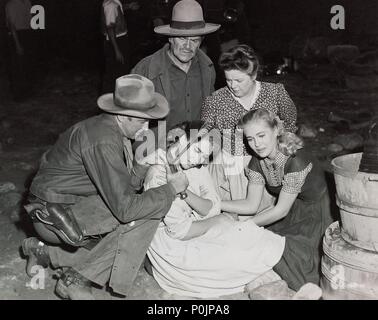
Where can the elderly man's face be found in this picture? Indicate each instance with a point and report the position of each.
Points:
(130, 126)
(184, 48)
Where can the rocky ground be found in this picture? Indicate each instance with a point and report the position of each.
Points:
(28, 128)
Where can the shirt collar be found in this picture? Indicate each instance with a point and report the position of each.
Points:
(278, 161)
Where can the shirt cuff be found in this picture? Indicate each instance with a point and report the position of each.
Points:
(139, 170)
(171, 189)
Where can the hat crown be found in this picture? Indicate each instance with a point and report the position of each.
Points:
(134, 96)
(187, 21)
(187, 11)
(134, 92)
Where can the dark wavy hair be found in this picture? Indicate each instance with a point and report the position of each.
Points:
(288, 142)
(186, 127)
(241, 57)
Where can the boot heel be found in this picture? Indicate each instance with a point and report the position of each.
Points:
(24, 250)
(74, 286)
(61, 290)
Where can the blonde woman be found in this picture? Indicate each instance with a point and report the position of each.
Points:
(302, 211)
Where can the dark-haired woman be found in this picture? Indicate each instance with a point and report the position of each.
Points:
(302, 212)
(223, 109)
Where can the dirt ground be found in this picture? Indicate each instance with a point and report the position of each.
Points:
(27, 129)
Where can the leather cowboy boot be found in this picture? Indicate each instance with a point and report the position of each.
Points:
(36, 253)
(72, 285)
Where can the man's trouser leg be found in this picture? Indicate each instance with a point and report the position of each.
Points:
(95, 220)
(95, 264)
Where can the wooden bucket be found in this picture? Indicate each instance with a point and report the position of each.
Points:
(357, 198)
(348, 272)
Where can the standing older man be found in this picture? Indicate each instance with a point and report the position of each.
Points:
(180, 70)
(84, 195)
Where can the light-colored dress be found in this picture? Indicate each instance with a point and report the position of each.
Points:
(220, 262)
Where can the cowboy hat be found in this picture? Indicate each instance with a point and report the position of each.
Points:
(134, 96)
(187, 21)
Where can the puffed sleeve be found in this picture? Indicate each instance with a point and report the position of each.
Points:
(253, 172)
(254, 177)
(295, 174)
(286, 108)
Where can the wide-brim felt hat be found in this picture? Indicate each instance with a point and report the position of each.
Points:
(135, 96)
(187, 21)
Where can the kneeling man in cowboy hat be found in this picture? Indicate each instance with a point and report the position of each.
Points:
(85, 195)
(180, 70)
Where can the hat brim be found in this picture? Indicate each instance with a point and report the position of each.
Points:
(168, 31)
(159, 111)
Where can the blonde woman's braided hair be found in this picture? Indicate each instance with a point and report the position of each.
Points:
(288, 142)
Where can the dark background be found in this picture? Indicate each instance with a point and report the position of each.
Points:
(68, 65)
(73, 36)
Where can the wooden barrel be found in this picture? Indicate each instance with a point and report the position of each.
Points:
(357, 198)
(348, 272)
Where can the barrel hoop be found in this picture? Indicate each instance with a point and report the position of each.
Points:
(335, 285)
(370, 246)
(352, 263)
(355, 208)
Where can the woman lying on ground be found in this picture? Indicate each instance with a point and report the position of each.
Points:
(197, 251)
(302, 211)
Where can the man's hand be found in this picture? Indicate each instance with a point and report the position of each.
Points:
(179, 181)
(156, 157)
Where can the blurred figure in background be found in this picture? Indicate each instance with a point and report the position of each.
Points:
(116, 42)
